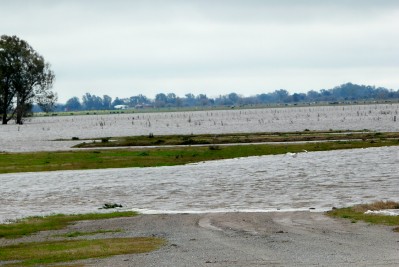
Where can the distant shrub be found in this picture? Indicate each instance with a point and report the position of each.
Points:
(75, 138)
(144, 154)
(214, 147)
(188, 141)
(104, 140)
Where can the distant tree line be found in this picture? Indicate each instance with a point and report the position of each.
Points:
(26, 85)
(344, 93)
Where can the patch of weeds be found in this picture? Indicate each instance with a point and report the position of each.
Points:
(378, 205)
(77, 233)
(36, 224)
(185, 137)
(188, 141)
(159, 141)
(144, 154)
(214, 147)
(51, 252)
(357, 213)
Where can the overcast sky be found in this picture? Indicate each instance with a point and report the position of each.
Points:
(126, 48)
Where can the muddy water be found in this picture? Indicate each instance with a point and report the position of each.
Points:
(317, 180)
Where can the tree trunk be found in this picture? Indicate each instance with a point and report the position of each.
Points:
(6, 102)
(4, 119)
(19, 118)
(3, 112)
(20, 110)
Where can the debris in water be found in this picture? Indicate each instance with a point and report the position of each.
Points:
(111, 206)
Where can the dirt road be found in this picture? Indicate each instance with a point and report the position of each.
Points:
(255, 239)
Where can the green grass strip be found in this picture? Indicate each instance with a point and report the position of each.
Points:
(232, 138)
(44, 253)
(153, 157)
(32, 225)
(77, 233)
(357, 213)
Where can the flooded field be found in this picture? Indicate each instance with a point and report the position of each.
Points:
(318, 180)
(37, 133)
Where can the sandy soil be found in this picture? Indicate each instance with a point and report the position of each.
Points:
(247, 239)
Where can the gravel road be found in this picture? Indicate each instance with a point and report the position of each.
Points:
(260, 239)
(247, 239)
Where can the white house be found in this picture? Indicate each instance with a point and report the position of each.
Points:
(120, 107)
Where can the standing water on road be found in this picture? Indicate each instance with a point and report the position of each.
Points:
(317, 180)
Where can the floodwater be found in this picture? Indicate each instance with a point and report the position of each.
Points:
(319, 180)
(39, 133)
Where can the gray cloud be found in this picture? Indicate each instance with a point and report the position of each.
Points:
(130, 47)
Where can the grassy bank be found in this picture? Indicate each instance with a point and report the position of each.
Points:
(64, 249)
(357, 213)
(163, 156)
(51, 252)
(33, 225)
(235, 138)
